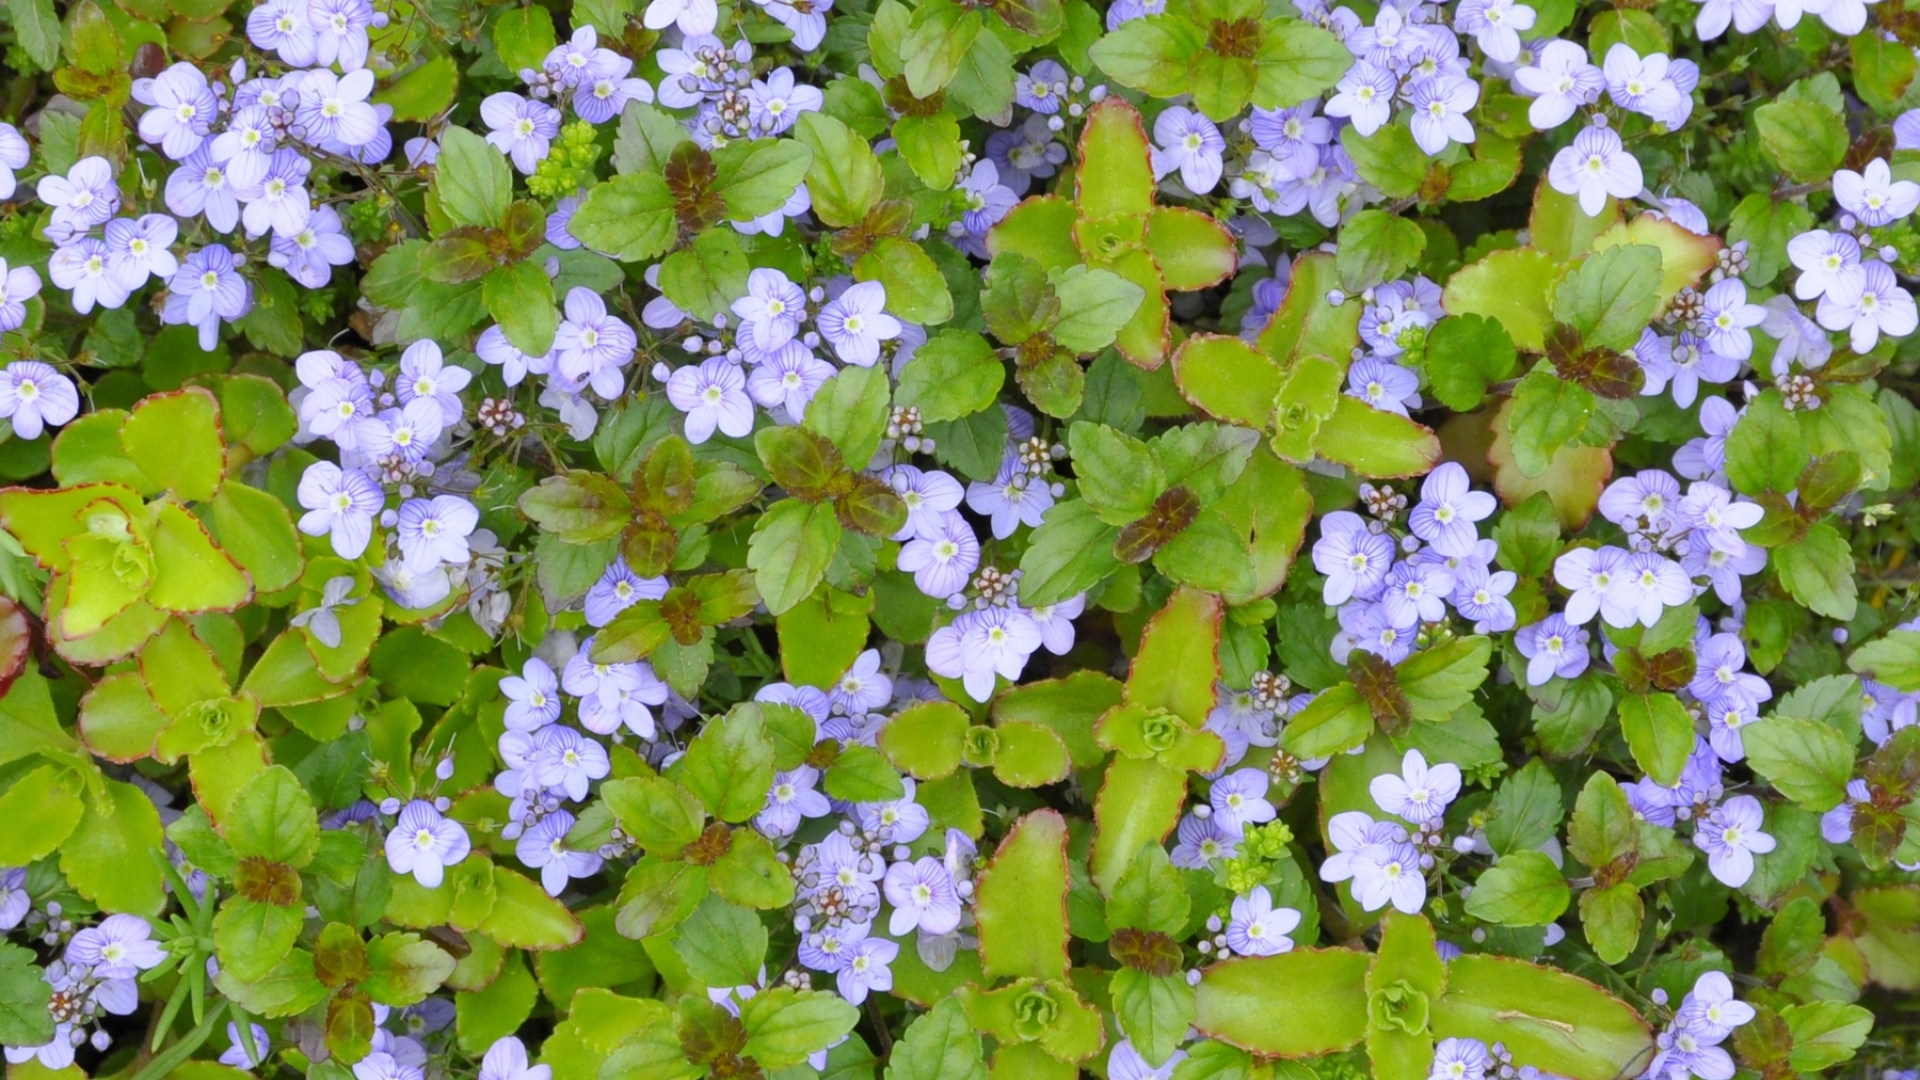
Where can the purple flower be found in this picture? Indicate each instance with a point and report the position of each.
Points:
(33, 394)
(1642, 504)
(206, 289)
(137, 249)
(240, 1054)
(1239, 799)
(425, 376)
(1012, 500)
(592, 346)
(1730, 835)
(771, 311)
(543, 847)
(1354, 559)
(1365, 95)
(1187, 141)
(1590, 575)
(1202, 840)
(806, 18)
(279, 202)
(928, 494)
(900, 821)
(434, 531)
(694, 17)
(121, 947)
(1448, 510)
(282, 26)
(1825, 260)
(1257, 928)
(613, 696)
(1460, 1059)
(14, 154)
(606, 93)
(340, 504)
(1481, 595)
(787, 377)
(533, 696)
(522, 129)
(1293, 136)
(1875, 197)
(183, 108)
(1596, 166)
(1419, 794)
(1553, 647)
(1495, 26)
(1367, 628)
(922, 896)
(507, 1060)
(424, 844)
(1728, 317)
(776, 102)
(1383, 385)
(494, 348)
(201, 186)
(1874, 304)
(712, 395)
(83, 198)
(1647, 585)
(855, 323)
(1640, 84)
(1726, 720)
(1705, 458)
(863, 687)
(334, 109)
(407, 432)
(942, 559)
(1043, 89)
(790, 799)
(1722, 570)
(1440, 107)
(865, 968)
(982, 644)
(619, 589)
(1390, 874)
(986, 200)
(568, 761)
(1056, 622)
(1353, 836)
(381, 1065)
(17, 286)
(1416, 592)
(84, 269)
(1710, 1011)
(340, 32)
(1709, 510)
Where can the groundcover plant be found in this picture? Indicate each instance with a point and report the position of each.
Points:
(1176, 539)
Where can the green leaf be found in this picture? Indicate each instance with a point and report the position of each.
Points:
(251, 937)
(1149, 54)
(1894, 660)
(757, 176)
(404, 968)
(1525, 812)
(792, 545)
(1523, 889)
(174, 439)
(1022, 901)
(1555, 1021)
(1094, 306)
(1603, 826)
(1818, 572)
(258, 532)
(1805, 760)
(1659, 732)
(38, 30)
(1825, 1033)
(1388, 159)
(648, 135)
(1332, 723)
(729, 765)
(751, 875)
(1805, 139)
(1509, 287)
(423, 93)
(1297, 60)
(108, 858)
(660, 815)
(43, 808)
(496, 1010)
(472, 180)
(1611, 916)
(931, 147)
(1766, 450)
(1153, 1011)
(844, 178)
(523, 916)
(1548, 413)
(722, 945)
(630, 217)
(1610, 296)
(273, 818)
(1149, 895)
(1070, 552)
(1465, 355)
(523, 37)
(1439, 681)
(916, 290)
(520, 299)
(954, 374)
(926, 738)
(784, 1026)
(940, 1044)
(1119, 475)
(24, 995)
(851, 409)
(1377, 246)
(860, 774)
(937, 39)
(1297, 1004)
(1767, 225)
